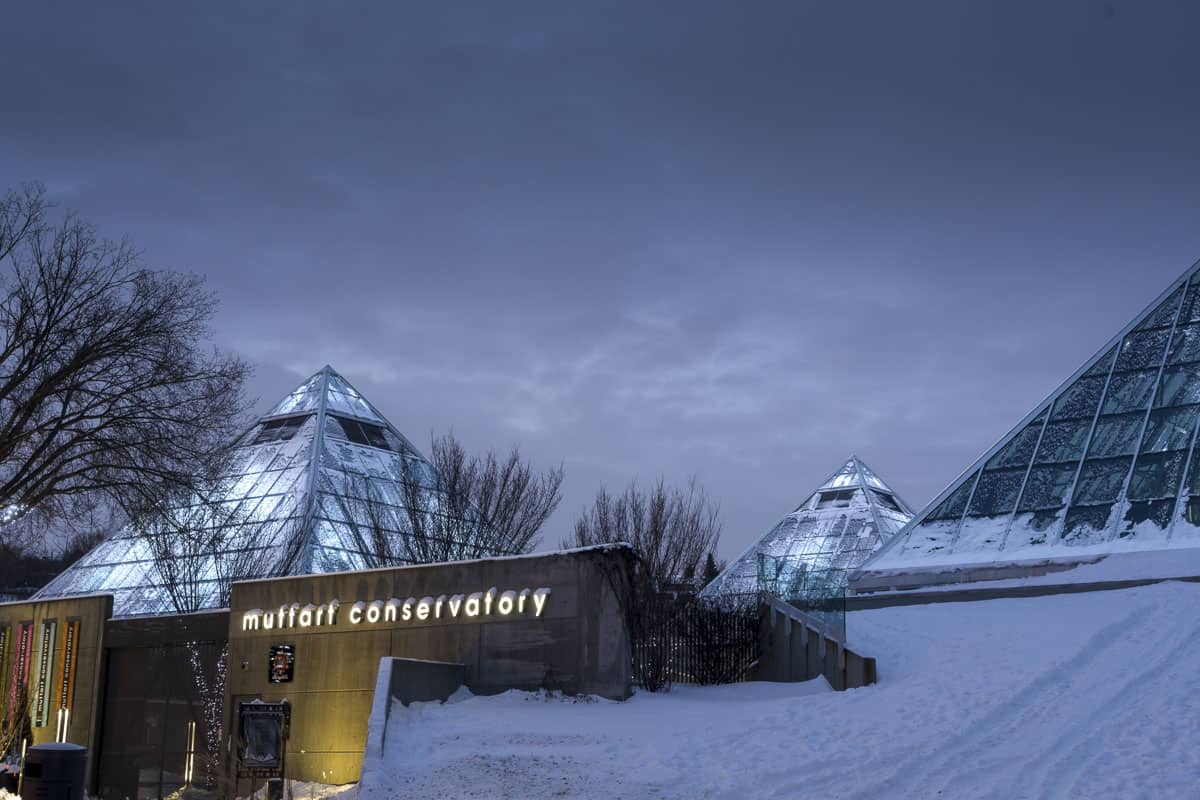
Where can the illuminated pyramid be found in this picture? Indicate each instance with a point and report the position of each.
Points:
(839, 526)
(1104, 466)
(315, 482)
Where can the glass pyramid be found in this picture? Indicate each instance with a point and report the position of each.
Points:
(1103, 465)
(839, 526)
(304, 479)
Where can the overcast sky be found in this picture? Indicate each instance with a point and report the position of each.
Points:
(737, 240)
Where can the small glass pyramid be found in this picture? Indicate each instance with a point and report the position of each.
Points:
(1103, 465)
(318, 462)
(839, 526)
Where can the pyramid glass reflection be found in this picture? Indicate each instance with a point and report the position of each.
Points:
(839, 526)
(313, 487)
(1104, 465)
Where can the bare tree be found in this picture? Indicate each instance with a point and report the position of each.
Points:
(373, 526)
(106, 388)
(671, 529)
(671, 532)
(474, 507)
(200, 544)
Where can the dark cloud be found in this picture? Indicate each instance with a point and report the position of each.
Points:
(734, 240)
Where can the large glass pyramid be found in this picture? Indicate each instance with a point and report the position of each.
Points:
(839, 526)
(1104, 465)
(313, 486)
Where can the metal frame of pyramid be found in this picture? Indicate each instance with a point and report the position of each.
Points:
(295, 481)
(837, 527)
(1103, 465)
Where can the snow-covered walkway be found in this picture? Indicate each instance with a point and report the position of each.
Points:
(1090, 696)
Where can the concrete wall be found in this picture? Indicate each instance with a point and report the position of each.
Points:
(793, 651)
(578, 644)
(92, 612)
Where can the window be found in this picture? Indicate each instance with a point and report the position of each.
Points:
(279, 430)
(363, 432)
(839, 499)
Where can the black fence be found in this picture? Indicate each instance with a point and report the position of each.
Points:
(681, 640)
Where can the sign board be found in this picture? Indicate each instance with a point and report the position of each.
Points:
(281, 664)
(262, 738)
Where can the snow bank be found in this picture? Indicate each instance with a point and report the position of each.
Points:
(1086, 695)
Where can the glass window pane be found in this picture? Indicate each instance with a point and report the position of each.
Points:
(1142, 349)
(1079, 399)
(1129, 391)
(1179, 386)
(1117, 435)
(1192, 486)
(1100, 480)
(1139, 516)
(1186, 345)
(1063, 441)
(1157, 475)
(1104, 365)
(1169, 429)
(1047, 487)
(1164, 315)
(954, 505)
(1019, 449)
(1191, 305)
(1087, 524)
(996, 492)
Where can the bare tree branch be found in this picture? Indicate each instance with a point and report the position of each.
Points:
(474, 507)
(106, 390)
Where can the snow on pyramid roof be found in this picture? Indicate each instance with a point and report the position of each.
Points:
(837, 528)
(297, 479)
(1104, 465)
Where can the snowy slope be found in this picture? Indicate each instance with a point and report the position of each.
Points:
(1089, 695)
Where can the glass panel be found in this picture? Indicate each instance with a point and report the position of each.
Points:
(1063, 441)
(1192, 484)
(1142, 349)
(1018, 450)
(1047, 487)
(981, 533)
(1185, 346)
(1129, 391)
(954, 505)
(1191, 305)
(1147, 519)
(933, 536)
(1079, 399)
(1116, 436)
(1157, 475)
(1169, 429)
(1179, 386)
(1101, 480)
(1032, 528)
(1104, 365)
(1087, 524)
(1164, 315)
(996, 492)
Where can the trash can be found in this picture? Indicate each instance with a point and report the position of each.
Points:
(54, 771)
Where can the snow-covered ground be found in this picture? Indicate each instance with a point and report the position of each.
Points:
(1090, 695)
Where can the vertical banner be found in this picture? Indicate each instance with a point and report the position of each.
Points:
(41, 702)
(4, 634)
(66, 664)
(20, 668)
(5, 647)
